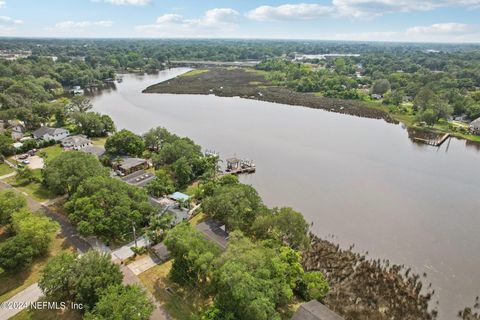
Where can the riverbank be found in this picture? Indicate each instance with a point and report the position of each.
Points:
(249, 83)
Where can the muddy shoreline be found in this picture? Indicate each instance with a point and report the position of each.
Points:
(363, 288)
(251, 84)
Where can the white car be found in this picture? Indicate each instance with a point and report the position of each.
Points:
(26, 162)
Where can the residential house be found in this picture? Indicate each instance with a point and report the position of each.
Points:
(18, 129)
(47, 133)
(214, 231)
(97, 151)
(128, 165)
(475, 126)
(314, 310)
(76, 142)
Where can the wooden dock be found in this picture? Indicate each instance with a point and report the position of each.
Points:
(434, 143)
(240, 166)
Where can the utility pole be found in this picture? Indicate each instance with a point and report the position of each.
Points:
(134, 234)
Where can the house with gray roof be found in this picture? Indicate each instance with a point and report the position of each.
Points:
(314, 310)
(48, 134)
(128, 165)
(475, 126)
(95, 150)
(76, 142)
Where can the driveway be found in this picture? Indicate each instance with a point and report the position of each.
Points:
(20, 301)
(36, 162)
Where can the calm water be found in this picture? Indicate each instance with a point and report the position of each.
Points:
(362, 180)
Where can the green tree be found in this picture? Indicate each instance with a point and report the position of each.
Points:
(15, 253)
(192, 254)
(285, 225)
(161, 185)
(93, 124)
(156, 137)
(252, 279)
(108, 208)
(381, 86)
(313, 285)
(6, 145)
(125, 143)
(183, 172)
(64, 173)
(33, 237)
(236, 205)
(39, 230)
(80, 104)
(134, 303)
(81, 280)
(10, 202)
(172, 151)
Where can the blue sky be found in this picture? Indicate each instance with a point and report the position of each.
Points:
(374, 20)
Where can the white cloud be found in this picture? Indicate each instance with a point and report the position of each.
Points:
(353, 8)
(301, 11)
(442, 28)
(2, 3)
(439, 32)
(7, 21)
(69, 25)
(126, 2)
(218, 21)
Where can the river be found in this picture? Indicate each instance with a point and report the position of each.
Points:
(362, 180)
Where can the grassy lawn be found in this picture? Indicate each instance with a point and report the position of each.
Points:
(16, 282)
(182, 303)
(196, 219)
(195, 72)
(51, 152)
(5, 169)
(34, 189)
(99, 141)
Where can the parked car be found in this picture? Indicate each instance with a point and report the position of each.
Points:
(23, 156)
(25, 162)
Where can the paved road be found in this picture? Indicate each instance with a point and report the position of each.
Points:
(27, 296)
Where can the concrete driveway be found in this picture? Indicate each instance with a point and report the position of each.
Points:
(36, 162)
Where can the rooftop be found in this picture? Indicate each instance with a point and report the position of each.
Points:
(178, 196)
(139, 178)
(127, 163)
(214, 231)
(95, 150)
(47, 130)
(76, 141)
(314, 310)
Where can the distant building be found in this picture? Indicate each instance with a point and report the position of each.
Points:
(47, 133)
(475, 126)
(314, 310)
(76, 142)
(77, 91)
(128, 165)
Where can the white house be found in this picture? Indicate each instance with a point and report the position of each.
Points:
(47, 134)
(475, 126)
(76, 142)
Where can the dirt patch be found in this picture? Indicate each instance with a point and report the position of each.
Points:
(361, 288)
(251, 84)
